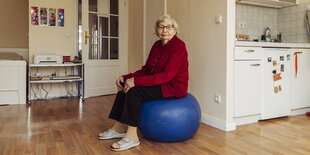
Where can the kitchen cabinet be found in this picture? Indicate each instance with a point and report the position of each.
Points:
(248, 88)
(270, 3)
(254, 87)
(301, 81)
(12, 82)
(248, 81)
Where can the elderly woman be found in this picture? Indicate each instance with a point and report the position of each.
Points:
(165, 75)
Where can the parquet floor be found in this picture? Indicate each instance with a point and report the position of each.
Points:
(63, 126)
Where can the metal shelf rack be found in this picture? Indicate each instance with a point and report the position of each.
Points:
(80, 70)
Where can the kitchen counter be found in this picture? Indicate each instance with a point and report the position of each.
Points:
(271, 44)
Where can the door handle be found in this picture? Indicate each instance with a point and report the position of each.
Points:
(298, 52)
(255, 65)
(249, 50)
(85, 37)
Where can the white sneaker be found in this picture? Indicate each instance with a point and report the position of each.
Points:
(125, 144)
(110, 134)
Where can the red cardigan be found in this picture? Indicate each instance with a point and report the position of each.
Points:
(166, 66)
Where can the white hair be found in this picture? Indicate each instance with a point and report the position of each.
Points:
(164, 18)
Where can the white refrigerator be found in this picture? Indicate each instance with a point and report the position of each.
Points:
(276, 81)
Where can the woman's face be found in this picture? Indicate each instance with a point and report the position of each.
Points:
(165, 31)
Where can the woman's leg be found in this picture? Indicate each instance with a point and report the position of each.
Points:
(117, 108)
(116, 113)
(119, 127)
(133, 101)
(131, 134)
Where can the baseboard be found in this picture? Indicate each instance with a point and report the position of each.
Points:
(299, 111)
(247, 119)
(217, 123)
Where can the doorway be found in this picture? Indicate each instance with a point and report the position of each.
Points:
(103, 43)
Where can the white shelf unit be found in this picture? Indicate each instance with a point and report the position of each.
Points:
(80, 70)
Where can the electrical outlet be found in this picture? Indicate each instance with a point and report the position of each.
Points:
(245, 25)
(242, 25)
(217, 98)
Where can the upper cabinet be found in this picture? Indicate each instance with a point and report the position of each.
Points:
(270, 3)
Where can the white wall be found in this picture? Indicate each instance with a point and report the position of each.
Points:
(14, 27)
(304, 1)
(153, 10)
(135, 52)
(53, 39)
(14, 24)
(231, 8)
(210, 49)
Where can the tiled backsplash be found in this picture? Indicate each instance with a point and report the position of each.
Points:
(289, 21)
(257, 19)
(292, 24)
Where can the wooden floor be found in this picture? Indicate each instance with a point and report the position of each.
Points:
(63, 126)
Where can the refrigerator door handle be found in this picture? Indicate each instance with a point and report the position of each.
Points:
(255, 65)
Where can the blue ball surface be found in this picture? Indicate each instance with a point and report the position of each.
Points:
(170, 120)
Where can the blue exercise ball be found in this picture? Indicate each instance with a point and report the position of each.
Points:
(170, 120)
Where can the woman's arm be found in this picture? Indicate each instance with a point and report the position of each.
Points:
(175, 61)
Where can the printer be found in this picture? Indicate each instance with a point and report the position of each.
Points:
(47, 59)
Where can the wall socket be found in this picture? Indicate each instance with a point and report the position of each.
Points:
(217, 98)
(243, 25)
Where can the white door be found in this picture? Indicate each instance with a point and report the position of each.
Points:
(276, 99)
(248, 88)
(300, 82)
(104, 47)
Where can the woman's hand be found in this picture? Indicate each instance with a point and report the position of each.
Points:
(129, 84)
(118, 83)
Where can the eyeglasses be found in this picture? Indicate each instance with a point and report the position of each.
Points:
(168, 27)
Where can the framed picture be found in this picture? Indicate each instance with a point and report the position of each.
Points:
(43, 16)
(52, 17)
(61, 17)
(34, 15)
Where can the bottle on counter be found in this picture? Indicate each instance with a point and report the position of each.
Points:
(268, 34)
(279, 37)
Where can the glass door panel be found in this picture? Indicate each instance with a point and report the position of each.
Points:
(104, 23)
(114, 7)
(92, 4)
(93, 41)
(104, 48)
(114, 26)
(104, 37)
(103, 29)
(114, 48)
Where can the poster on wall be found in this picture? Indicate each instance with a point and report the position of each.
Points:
(52, 17)
(43, 14)
(34, 15)
(61, 17)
